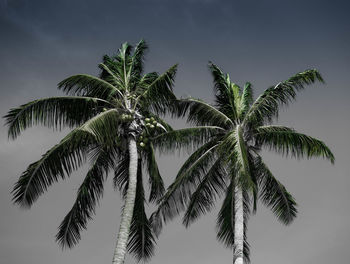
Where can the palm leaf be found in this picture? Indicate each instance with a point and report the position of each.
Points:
(104, 126)
(266, 106)
(158, 96)
(155, 179)
(56, 112)
(91, 86)
(201, 113)
(187, 179)
(56, 163)
(186, 138)
(89, 193)
(247, 99)
(141, 239)
(205, 195)
(274, 195)
(288, 142)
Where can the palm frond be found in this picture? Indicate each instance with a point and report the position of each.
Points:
(121, 173)
(158, 96)
(266, 106)
(241, 162)
(155, 179)
(104, 126)
(186, 138)
(89, 193)
(56, 112)
(288, 142)
(274, 195)
(201, 113)
(247, 99)
(187, 179)
(211, 187)
(56, 163)
(136, 67)
(109, 76)
(141, 238)
(91, 86)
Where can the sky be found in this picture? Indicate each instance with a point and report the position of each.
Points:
(264, 42)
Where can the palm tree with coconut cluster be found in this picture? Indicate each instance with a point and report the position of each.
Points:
(112, 117)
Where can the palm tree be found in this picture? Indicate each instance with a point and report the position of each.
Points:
(113, 116)
(231, 134)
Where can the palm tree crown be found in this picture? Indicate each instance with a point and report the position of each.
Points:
(229, 136)
(109, 114)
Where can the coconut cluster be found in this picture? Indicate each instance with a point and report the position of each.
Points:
(126, 117)
(151, 124)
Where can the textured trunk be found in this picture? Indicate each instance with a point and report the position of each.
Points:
(239, 227)
(123, 235)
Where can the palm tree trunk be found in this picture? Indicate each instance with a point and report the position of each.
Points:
(123, 235)
(238, 226)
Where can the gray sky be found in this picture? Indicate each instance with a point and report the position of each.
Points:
(263, 42)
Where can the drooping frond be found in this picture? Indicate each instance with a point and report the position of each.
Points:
(104, 126)
(226, 220)
(56, 112)
(246, 99)
(155, 179)
(89, 193)
(141, 238)
(187, 138)
(202, 114)
(274, 195)
(287, 141)
(121, 173)
(211, 187)
(158, 96)
(187, 180)
(91, 86)
(56, 163)
(266, 106)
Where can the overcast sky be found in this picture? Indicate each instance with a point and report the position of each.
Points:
(264, 42)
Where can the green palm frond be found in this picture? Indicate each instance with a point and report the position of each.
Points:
(89, 193)
(104, 126)
(155, 179)
(241, 162)
(227, 93)
(266, 106)
(109, 76)
(274, 195)
(287, 141)
(201, 113)
(56, 112)
(91, 86)
(187, 180)
(211, 187)
(121, 173)
(246, 100)
(186, 138)
(56, 163)
(158, 96)
(141, 241)
(226, 220)
(136, 67)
